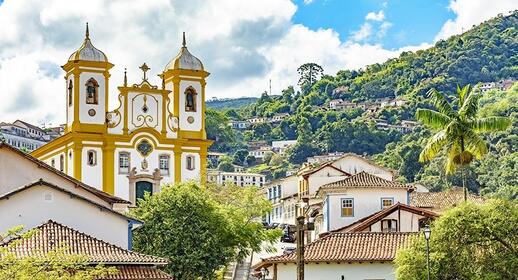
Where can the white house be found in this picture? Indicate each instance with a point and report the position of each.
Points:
(239, 124)
(32, 192)
(324, 158)
(281, 146)
(279, 117)
(342, 256)
(351, 199)
(237, 178)
(261, 152)
(255, 120)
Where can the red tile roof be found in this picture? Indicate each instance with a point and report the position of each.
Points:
(350, 247)
(440, 201)
(52, 235)
(364, 180)
(137, 273)
(102, 195)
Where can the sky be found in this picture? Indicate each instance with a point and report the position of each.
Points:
(243, 44)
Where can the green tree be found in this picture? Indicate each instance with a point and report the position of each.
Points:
(250, 160)
(226, 166)
(309, 74)
(458, 126)
(467, 242)
(56, 264)
(200, 229)
(240, 157)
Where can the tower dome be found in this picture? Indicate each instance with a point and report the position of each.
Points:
(184, 60)
(87, 51)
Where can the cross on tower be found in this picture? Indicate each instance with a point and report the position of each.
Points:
(144, 69)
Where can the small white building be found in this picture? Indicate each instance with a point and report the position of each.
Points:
(239, 124)
(279, 117)
(23, 135)
(342, 256)
(255, 120)
(237, 178)
(324, 158)
(279, 192)
(281, 146)
(261, 152)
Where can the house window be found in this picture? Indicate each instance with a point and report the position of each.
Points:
(347, 207)
(91, 157)
(61, 163)
(190, 162)
(92, 91)
(389, 225)
(70, 91)
(386, 202)
(163, 163)
(53, 163)
(190, 99)
(124, 162)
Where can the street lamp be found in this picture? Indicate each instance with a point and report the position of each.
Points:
(302, 227)
(427, 232)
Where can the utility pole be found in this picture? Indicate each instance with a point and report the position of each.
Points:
(300, 247)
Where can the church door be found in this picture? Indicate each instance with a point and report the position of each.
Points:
(141, 188)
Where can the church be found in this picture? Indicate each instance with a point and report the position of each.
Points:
(154, 136)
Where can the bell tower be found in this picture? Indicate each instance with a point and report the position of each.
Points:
(87, 77)
(185, 77)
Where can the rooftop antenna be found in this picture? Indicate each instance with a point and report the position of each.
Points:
(270, 87)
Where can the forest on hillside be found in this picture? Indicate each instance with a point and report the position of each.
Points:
(486, 53)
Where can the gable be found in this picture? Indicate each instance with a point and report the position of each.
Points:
(354, 164)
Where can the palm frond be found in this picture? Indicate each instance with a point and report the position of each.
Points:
(475, 144)
(463, 93)
(441, 103)
(490, 124)
(432, 118)
(470, 105)
(453, 151)
(433, 146)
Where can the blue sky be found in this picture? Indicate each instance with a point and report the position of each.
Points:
(412, 21)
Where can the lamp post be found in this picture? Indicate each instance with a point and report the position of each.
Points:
(302, 227)
(427, 232)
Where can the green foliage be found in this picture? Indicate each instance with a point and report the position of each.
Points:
(240, 157)
(56, 264)
(216, 125)
(230, 103)
(467, 242)
(200, 229)
(309, 74)
(225, 164)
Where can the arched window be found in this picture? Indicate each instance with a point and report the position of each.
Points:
(190, 162)
(92, 91)
(53, 163)
(91, 157)
(61, 163)
(70, 91)
(190, 99)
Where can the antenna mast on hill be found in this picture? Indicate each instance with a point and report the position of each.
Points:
(270, 87)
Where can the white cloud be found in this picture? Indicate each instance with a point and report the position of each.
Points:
(472, 12)
(242, 43)
(307, 2)
(379, 16)
(363, 33)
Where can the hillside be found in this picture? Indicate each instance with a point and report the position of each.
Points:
(230, 102)
(486, 53)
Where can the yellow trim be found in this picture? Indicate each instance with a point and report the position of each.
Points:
(203, 166)
(78, 155)
(177, 164)
(109, 168)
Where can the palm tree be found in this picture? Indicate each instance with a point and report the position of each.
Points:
(458, 127)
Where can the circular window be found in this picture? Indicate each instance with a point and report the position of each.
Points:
(91, 112)
(190, 119)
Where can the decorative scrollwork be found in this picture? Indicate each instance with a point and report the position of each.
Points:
(114, 118)
(144, 120)
(172, 121)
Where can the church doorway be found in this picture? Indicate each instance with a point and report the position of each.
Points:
(141, 188)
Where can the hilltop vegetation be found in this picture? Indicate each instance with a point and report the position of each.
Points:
(486, 53)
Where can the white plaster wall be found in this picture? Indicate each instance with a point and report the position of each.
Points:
(334, 271)
(191, 174)
(196, 125)
(56, 161)
(16, 171)
(367, 201)
(153, 115)
(325, 176)
(29, 208)
(122, 181)
(409, 221)
(353, 165)
(100, 108)
(70, 160)
(118, 128)
(92, 175)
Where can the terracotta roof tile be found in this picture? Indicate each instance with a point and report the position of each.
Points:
(439, 201)
(52, 235)
(138, 272)
(364, 180)
(349, 247)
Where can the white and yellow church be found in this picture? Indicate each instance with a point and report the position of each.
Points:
(155, 136)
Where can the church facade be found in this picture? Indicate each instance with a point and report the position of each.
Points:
(155, 136)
